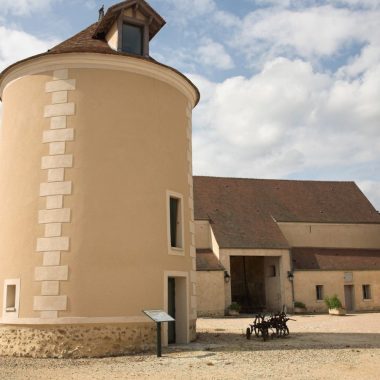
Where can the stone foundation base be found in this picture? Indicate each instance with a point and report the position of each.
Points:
(211, 313)
(76, 341)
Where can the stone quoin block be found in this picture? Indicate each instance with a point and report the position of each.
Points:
(61, 74)
(51, 258)
(58, 122)
(59, 97)
(54, 201)
(53, 229)
(60, 85)
(55, 188)
(58, 161)
(66, 134)
(60, 243)
(56, 175)
(64, 109)
(52, 273)
(57, 147)
(193, 276)
(50, 288)
(50, 303)
(59, 215)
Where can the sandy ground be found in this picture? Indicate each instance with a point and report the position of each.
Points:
(318, 347)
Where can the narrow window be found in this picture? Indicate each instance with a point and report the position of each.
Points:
(366, 292)
(11, 298)
(272, 270)
(175, 222)
(319, 292)
(132, 39)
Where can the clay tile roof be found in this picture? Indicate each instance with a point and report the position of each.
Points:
(84, 42)
(335, 259)
(207, 261)
(243, 212)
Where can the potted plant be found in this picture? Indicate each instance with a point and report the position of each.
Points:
(334, 305)
(299, 307)
(234, 309)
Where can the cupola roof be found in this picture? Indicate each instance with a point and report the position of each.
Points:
(156, 22)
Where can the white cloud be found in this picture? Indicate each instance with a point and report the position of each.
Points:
(16, 45)
(184, 10)
(212, 53)
(371, 4)
(288, 119)
(23, 7)
(310, 33)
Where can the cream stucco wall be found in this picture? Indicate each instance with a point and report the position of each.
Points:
(331, 235)
(210, 288)
(204, 236)
(130, 147)
(333, 283)
(273, 283)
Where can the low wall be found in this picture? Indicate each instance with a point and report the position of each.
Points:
(210, 293)
(76, 341)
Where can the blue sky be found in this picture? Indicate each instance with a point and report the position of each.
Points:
(289, 88)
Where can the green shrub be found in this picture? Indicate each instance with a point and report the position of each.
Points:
(333, 302)
(234, 306)
(301, 305)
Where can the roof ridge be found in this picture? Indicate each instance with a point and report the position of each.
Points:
(273, 179)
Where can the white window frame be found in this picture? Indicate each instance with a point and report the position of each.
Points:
(175, 250)
(8, 313)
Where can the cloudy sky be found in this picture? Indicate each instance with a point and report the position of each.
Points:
(289, 88)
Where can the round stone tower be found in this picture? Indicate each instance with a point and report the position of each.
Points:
(96, 194)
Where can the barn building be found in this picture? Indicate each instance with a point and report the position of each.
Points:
(268, 243)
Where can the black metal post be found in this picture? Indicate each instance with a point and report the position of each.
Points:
(158, 339)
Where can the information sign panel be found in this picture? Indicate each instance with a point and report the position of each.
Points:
(158, 316)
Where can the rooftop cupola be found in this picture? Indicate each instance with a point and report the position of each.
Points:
(129, 26)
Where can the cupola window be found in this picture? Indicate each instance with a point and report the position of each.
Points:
(132, 39)
(128, 27)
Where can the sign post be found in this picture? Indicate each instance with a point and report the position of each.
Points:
(158, 316)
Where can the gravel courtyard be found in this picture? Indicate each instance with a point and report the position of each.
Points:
(319, 347)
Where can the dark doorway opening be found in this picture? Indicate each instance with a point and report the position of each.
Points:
(349, 297)
(171, 310)
(248, 283)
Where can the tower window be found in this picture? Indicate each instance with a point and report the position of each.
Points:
(366, 292)
(319, 292)
(132, 39)
(11, 298)
(175, 226)
(175, 222)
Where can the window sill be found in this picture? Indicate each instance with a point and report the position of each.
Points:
(176, 251)
(367, 300)
(10, 309)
